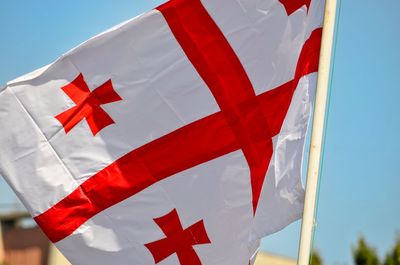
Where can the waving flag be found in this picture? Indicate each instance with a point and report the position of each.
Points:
(173, 138)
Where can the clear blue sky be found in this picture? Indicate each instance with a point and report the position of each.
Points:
(360, 189)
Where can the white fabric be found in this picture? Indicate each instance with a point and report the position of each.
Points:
(161, 92)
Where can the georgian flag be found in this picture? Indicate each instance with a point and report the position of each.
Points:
(173, 138)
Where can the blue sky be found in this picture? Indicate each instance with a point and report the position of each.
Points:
(360, 186)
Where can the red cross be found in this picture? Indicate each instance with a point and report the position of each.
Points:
(88, 105)
(231, 86)
(292, 5)
(246, 122)
(178, 240)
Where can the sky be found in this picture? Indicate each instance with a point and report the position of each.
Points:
(360, 180)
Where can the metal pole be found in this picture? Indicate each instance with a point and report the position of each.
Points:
(317, 133)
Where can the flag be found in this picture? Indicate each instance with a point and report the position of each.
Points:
(173, 138)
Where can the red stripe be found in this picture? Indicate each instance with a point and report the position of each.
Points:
(203, 140)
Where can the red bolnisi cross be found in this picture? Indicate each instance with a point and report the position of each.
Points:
(88, 105)
(178, 240)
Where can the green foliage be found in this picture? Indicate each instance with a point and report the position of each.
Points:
(393, 257)
(316, 258)
(364, 254)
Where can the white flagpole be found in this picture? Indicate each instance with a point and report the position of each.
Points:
(317, 133)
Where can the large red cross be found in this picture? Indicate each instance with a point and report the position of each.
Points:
(178, 240)
(87, 105)
(246, 122)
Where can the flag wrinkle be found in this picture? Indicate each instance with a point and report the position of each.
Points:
(46, 142)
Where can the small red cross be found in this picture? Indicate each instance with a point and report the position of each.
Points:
(178, 240)
(88, 105)
(293, 5)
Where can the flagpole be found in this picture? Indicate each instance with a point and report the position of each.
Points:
(317, 133)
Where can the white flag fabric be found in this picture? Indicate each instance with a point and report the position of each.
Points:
(174, 138)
